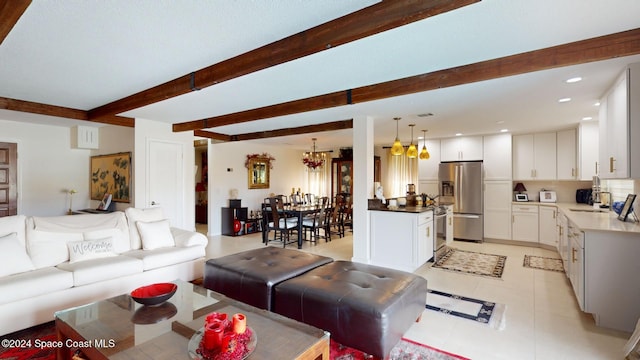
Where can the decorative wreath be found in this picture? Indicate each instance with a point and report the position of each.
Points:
(263, 155)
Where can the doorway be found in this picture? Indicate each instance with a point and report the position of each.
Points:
(8, 179)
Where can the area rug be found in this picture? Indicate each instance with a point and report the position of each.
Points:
(469, 262)
(405, 350)
(481, 311)
(544, 263)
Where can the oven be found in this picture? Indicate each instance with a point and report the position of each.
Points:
(440, 232)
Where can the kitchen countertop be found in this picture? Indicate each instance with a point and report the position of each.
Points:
(407, 209)
(606, 220)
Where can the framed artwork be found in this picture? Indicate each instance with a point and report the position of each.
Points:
(111, 174)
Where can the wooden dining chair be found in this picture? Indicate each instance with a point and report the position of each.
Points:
(282, 226)
(317, 222)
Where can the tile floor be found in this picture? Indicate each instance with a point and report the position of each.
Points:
(542, 319)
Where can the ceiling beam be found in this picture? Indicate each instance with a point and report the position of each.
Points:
(60, 111)
(606, 47)
(10, 13)
(307, 129)
(371, 20)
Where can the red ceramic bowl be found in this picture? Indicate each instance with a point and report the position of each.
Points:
(154, 294)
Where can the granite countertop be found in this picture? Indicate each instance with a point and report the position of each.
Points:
(407, 209)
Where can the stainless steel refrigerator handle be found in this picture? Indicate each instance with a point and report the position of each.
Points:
(459, 176)
(466, 216)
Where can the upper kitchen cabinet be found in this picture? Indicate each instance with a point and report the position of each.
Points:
(534, 156)
(428, 169)
(619, 123)
(566, 168)
(461, 148)
(497, 157)
(588, 150)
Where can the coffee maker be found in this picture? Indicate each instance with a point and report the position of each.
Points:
(411, 195)
(595, 190)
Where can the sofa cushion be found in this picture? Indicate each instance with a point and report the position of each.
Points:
(33, 283)
(157, 258)
(96, 270)
(14, 224)
(90, 249)
(185, 238)
(155, 234)
(49, 248)
(145, 215)
(13, 256)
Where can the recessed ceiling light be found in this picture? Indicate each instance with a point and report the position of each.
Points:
(458, 134)
(504, 130)
(574, 80)
(425, 115)
(587, 118)
(597, 103)
(563, 100)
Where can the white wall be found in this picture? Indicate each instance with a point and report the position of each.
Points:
(47, 168)
(288, 172)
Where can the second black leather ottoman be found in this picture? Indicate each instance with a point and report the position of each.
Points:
(363, 306)
(250, 276)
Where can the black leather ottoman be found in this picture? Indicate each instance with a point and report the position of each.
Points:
(249, 276)
(363, 306)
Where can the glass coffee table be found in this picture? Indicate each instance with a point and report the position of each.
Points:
(120, 328)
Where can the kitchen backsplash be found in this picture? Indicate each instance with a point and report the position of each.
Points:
(566, 190)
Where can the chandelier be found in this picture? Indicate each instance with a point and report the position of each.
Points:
(313, 160)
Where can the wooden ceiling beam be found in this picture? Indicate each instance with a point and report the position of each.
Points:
(371, 20)
(60, 111)
(606, 47)
(307, 129)
(10, 13)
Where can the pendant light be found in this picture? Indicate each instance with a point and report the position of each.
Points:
(412, 151)
(397, 148)
(424, 154)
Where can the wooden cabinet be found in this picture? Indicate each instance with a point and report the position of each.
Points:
(229, 216)
(401, 240)
(619, 124)
(497, 157)
(524, 223)
(461, 148)
(534, 156)
(201, 214)
(428, 169)
(547, 229)
(497, 209)
(342, 174)
(566, 158)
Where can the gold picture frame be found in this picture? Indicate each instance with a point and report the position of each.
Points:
(258, 172)
(111, 174)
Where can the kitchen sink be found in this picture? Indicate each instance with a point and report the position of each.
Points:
(590, 210)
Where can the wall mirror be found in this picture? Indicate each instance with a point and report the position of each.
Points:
(258, 170)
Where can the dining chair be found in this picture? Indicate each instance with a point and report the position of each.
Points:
(310, 199)
(317, 222)
(282, 226)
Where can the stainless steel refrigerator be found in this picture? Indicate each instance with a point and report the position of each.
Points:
(460, 184)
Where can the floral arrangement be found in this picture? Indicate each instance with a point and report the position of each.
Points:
(312, 163)
(263, 155)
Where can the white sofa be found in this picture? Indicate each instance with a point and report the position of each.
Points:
(49, 264)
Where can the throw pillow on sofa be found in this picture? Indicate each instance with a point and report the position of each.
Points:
(13, 256)
(48, 248)
(90, 249)
(155, 234)
(145, 215)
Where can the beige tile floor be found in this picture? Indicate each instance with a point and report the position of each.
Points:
(542, 318)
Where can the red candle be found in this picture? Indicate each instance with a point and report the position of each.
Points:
(239, 323)
(213, 334)
(228, 342)
(215, 316)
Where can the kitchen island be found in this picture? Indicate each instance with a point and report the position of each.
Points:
(602, 262)
(401, 238)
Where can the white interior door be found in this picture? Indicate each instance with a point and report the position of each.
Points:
(165, 179)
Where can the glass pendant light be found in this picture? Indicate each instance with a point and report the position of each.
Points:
(424, 154)
(412, 151)
(397, 148)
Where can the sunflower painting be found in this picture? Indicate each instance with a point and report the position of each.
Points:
(111, 174)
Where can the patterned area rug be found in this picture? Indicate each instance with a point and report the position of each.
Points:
(405, 350)
(482, 311)
(472, 263)
(544, 263)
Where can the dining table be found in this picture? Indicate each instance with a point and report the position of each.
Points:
(299, 212)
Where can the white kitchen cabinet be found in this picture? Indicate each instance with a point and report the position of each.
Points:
(576, 265)
(497, 157)
(449, 219)
(534, 156)
(428, 169)
(465, 148)
(85, 137)
(547, 225)
(563, 241)
(566, 159)
(588, 145)
(401, 240)
(497, 209)
(619, 123)
(524, 223)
